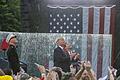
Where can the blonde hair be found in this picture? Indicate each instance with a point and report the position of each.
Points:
(61, 38)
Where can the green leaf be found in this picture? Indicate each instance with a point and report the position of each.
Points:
(10, 15)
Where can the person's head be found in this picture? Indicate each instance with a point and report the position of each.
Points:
(24, 76)
(68, 46)
(11, 39)
(52, 75)
(8, 72)
(85, 75)
(72, 77)
(61, 42)
(58, 70)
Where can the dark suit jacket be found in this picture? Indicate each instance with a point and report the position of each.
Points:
(61, 59)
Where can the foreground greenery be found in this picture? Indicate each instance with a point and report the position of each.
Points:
(10, 15)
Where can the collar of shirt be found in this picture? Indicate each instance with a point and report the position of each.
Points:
(61, 47)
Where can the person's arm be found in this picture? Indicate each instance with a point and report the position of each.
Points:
(90, 71)
(92, 75)
(111, 76)
(43, 72)
(77, 57)
(79, 73)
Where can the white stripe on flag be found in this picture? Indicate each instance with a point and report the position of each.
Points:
(85, 20)
(84, 47)
(96, 20)
(106, 55)
(95, 39)
(107, 20)
(110, 49)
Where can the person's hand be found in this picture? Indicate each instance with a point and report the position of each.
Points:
(77, 56)
(72, 69)
(112, 70)
(72, 55)
(41, 68)
(87, 65)
(82, 65)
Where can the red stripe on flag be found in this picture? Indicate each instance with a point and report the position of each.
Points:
(102, 15)
(89, 48)
(100, 57)
(112, 31)
(90, 20)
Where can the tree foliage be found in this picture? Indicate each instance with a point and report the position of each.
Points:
(10, 15)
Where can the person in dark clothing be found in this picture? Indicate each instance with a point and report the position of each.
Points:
(61, 59)
(74, 57)
(12, 55)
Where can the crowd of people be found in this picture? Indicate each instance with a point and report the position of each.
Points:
(67, 65)
(56, 73)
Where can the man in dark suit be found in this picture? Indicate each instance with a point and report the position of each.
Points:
(12, 55)
(61, 59)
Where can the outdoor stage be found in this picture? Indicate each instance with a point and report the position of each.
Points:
(38, 48)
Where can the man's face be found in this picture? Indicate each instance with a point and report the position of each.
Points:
(61, 42)
(13, 40)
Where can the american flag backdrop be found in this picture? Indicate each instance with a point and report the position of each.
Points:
(87, 20)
